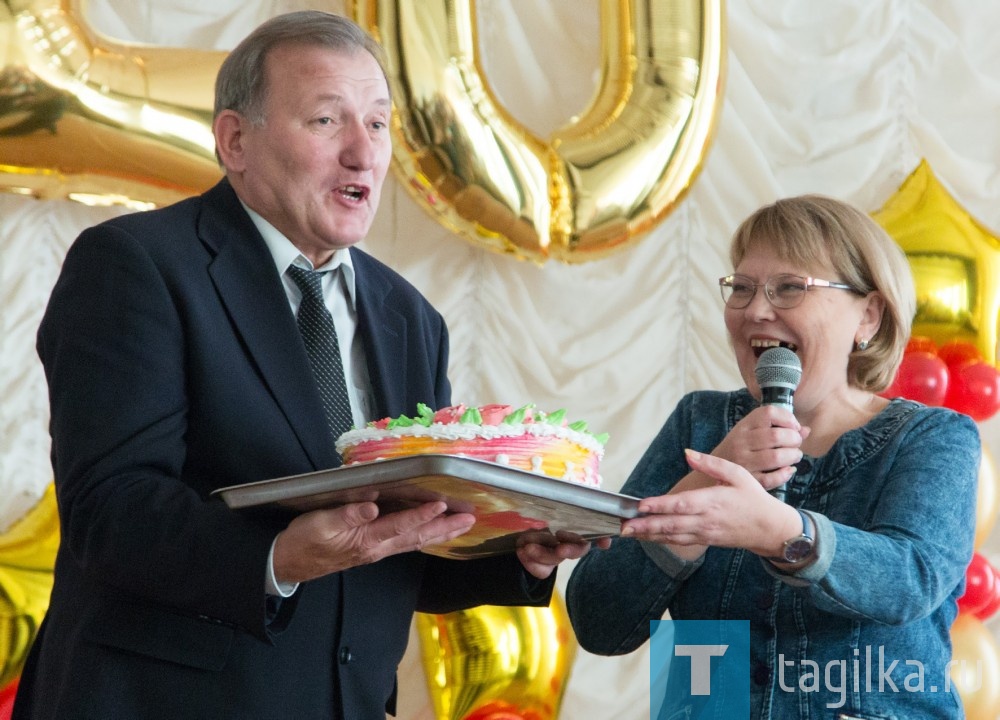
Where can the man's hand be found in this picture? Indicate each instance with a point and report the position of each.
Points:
(326, 541)
(541, 559)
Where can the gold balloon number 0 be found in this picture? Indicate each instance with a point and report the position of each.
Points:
(598, 183)
(113, 123)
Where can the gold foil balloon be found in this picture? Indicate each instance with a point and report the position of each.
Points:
(955, 263)
(27, 556)
(497, 661)
(103, 122)
(597, 184)
(975, 668)
(987, 498)
(84, 118)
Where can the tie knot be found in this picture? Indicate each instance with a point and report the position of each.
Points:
(310, 282)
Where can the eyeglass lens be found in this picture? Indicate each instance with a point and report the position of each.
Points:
(784, 291)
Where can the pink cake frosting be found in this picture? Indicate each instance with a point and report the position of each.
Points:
(524, 438)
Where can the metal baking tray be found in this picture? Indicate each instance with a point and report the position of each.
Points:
(511, 506)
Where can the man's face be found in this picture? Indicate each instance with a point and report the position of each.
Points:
(315, 168)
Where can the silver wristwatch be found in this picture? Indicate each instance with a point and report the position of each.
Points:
(800, 547)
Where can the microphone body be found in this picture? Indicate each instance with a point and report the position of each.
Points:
(778, 373)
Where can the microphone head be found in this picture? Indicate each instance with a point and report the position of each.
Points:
(778, 367)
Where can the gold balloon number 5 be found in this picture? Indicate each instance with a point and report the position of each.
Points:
(86, 118)
(598, 183)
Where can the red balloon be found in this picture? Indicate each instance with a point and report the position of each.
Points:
(921, 343)
(957, 352)
(500, 710)
(974, 389)
(922, 376)
(993, 604)
(7, 699)
(980, 585)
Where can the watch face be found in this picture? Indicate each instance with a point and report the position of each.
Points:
(798, 549)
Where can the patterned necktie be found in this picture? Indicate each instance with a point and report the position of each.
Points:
(320, 336)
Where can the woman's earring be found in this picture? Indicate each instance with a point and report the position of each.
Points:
(862, 344)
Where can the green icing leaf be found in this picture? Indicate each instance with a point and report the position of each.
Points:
(579, 426)
(401, 421)
(426, 415)
(602, 438)
(516, 417)
(555, 418)
(473, 416)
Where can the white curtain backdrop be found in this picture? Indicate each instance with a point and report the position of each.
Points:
(842, 97)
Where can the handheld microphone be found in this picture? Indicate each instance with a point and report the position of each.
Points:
(778, 373)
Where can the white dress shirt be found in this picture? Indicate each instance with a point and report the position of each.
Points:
(340, 296)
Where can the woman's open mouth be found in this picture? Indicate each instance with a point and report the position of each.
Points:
(760, 345)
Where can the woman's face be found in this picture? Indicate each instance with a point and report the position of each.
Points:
(822, 330)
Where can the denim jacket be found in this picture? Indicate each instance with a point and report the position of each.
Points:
(894, 507)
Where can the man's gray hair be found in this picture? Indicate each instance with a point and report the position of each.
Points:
(240, 85)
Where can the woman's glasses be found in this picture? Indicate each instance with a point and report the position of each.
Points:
(782, 291)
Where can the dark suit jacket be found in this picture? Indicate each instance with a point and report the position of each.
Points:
(174, 368)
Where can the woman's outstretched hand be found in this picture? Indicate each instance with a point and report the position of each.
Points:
(736, 512)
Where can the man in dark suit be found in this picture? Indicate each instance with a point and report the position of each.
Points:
(176, 367)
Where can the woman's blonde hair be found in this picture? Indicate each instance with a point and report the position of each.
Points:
(814, 230)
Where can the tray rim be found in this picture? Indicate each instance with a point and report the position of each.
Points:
(400, 470)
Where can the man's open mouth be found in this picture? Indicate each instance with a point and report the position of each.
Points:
(357, 193)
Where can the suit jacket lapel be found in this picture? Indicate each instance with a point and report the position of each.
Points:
(251, 290)
(383, 332)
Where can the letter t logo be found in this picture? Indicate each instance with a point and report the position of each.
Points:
(701, 664)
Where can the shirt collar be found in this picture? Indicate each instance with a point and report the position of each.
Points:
(285, 254)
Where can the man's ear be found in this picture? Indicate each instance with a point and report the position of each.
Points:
(228, 130)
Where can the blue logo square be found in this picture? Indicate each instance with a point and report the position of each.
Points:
(699, 669)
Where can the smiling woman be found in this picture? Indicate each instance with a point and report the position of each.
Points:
(860, 475)
(822, 235)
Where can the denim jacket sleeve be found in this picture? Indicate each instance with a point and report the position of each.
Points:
(895, 501)
(613, 594)
(905, 512)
